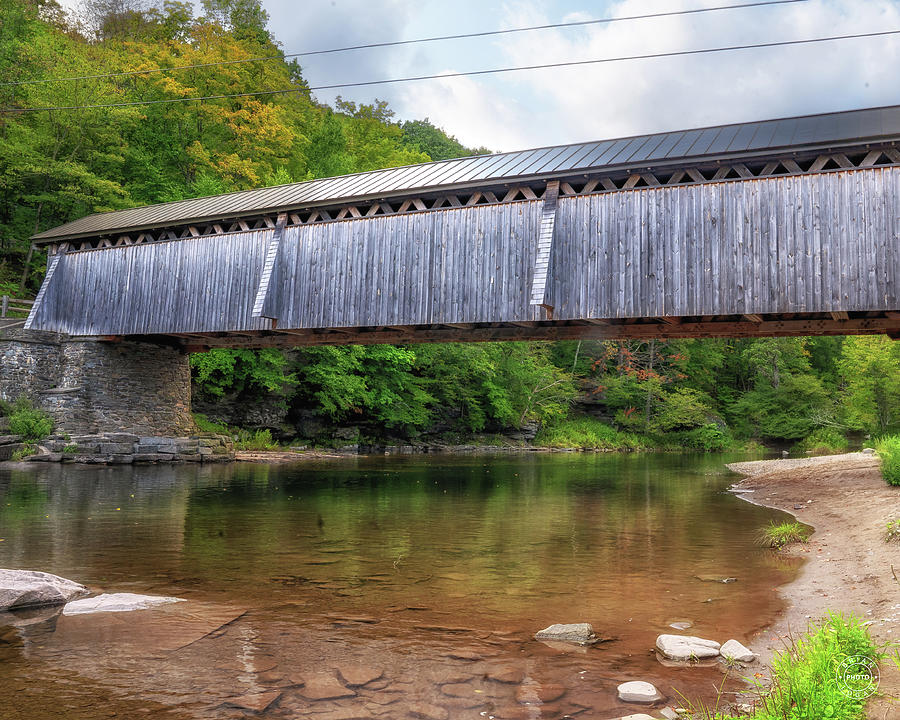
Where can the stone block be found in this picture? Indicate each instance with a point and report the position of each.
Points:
(117, 448)
(189, 457)
(10, 439)
(143, 458)
(45, 457)
(204, 451)
(6, 451)
(121, 459)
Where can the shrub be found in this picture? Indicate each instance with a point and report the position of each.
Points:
(26, 450)
(709, 438)
(777, 536)
(586, 433)
(28, 421)
(823, 441)
(889, 451)
(255, 440)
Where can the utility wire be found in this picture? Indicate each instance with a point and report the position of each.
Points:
(389, 81)
(395, 43)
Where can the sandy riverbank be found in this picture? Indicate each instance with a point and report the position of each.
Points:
(849, 564)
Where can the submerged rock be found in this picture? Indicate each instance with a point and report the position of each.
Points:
(578, 633)
(30, 588)
(734, 651)
(255, 702)
(686, 647)
(116, 602)
(716, 578)
(638, 691)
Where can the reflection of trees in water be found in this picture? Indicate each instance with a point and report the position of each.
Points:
(499, 526)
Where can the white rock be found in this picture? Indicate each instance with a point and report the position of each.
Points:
(686, 647)
(579, 633)
(30, 588)
(116, 602)
(734, 651)
(638, 691)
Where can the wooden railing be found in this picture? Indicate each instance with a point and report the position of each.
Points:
(14, 307)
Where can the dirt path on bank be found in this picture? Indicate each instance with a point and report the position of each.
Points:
(848, 503)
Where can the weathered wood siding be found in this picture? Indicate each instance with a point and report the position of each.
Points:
(462, 265)
(812, 243)
(192, 285)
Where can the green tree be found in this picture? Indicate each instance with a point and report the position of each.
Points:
(870, 375)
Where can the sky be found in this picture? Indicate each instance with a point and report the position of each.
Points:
(565, 105)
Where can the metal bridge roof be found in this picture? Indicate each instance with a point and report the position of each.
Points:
(843, 129)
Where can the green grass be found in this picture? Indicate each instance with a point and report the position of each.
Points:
(26, 450)
(824, 441)
(805, 683)
(889, 451)
(28, 421)
(586, 433)
(255, 440)
(777, 536)
(892, 531)
(207, 425)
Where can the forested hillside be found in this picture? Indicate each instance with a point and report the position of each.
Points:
(57, 165)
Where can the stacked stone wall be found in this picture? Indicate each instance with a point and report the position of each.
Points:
(92, 386)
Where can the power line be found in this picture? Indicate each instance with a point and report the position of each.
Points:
(395, 43)
(415, 78)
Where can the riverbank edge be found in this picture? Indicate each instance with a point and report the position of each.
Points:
(848, 563)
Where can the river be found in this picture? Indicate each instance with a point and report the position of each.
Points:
(429, 574)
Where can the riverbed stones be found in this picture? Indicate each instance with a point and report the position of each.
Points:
(733, 651)
(324, 686)
(686, 647)
(117, 602)
(539, 694)
(638, 691)
(31, 588)
(255, 702)
(358, 675)
(506, 674)
(576, 633)
(425, 711)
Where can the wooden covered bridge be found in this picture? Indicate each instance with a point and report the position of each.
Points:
(783, 227)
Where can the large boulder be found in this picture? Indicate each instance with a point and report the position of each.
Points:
(686, 647)
(116, 602)
(31, 588)
(578, 633)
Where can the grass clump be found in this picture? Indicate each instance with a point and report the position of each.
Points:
(892, 531)
(211, 426)
(25, 451)
(824, 441)
(806, 681)
(255, 440)
(781, 534)
(27, 421)
(889, 451)
(586, 433)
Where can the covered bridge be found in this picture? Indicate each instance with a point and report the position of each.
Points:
(782, 227)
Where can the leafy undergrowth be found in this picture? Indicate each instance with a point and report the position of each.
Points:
(255, 440)
(781, 534)
(824, 441)
(892, 531)
(807, 681)
(889, 451)
(588, 434)
(26, 420)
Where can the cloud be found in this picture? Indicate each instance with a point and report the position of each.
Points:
(616, 99)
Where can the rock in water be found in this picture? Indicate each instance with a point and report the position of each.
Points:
(734, 651)
(578, 633)
(116, 602)
(30, 588)
(686, 647)
(638, 691)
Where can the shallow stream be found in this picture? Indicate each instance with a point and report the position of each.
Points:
(429, 574)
